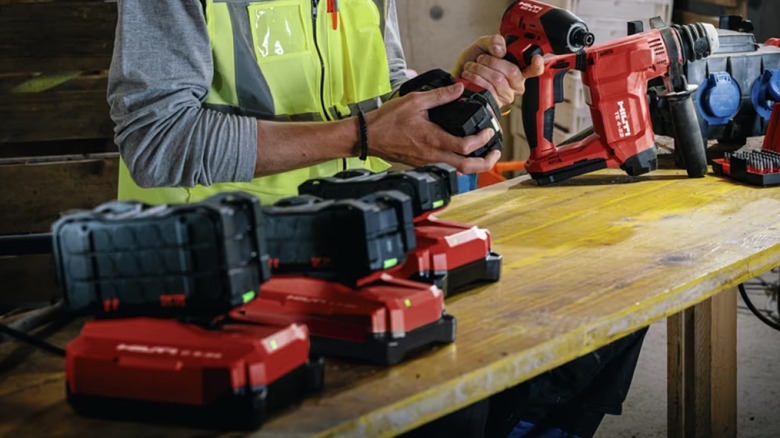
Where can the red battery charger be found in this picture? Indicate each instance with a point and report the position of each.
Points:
(333, 278)
(381, 322)
(163, 369)
(454, 256)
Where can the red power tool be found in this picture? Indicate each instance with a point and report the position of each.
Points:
(615, 77)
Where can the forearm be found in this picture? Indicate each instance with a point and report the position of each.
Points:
(283, 146)
(156, 90)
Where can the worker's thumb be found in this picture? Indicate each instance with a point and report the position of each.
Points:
(440, 96)
(536, 68)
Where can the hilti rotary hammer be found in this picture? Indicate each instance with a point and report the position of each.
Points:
(615, 76)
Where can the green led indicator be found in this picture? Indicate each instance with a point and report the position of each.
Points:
(408, 302)
(390, 263)
(438, 203)
(249, 296)
(274, 344)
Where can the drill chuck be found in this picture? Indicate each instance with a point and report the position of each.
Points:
(580, 37)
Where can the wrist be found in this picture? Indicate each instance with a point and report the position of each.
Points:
(361, 146)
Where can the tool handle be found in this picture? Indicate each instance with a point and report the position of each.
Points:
(688, 139)
(539, 99)
(534, 119)
(519, 52)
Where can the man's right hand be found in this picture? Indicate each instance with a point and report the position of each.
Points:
(401, 131)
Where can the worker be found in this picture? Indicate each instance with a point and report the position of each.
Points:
(259, 96)
(211, 95)
(569, 401)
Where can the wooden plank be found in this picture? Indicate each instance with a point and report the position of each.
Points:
(733, 7)
(702, 369)
(720, 323)
(585, 262)
(55, 115)
(698, 5)
(28, 279)
(56, 36)
(679, 339)
(13, 151)
(727, 3)
(687, 17)
(42, 191)
(713, 8)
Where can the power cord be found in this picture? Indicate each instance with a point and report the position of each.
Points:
(757, 312)
(31, 320)
(35, 342)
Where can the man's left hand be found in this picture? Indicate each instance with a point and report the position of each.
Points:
(482, 63)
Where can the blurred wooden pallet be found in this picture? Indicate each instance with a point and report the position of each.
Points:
(707, 11)
(54, 59)
(54, 56)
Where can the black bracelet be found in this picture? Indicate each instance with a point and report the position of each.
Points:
(363, 135)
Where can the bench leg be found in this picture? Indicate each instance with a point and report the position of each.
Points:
(702, 369)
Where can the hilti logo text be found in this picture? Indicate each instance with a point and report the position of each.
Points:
(534, 9)
(621, 117)
(320, 302)
(168, 351)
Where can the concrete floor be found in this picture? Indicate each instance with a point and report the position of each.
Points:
(758, 381)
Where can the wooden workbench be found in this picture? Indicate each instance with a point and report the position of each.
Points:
(584, 263)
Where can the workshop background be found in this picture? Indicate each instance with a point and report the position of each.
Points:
(57, 151)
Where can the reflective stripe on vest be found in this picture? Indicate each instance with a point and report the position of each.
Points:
(269, 65)
(365, 106)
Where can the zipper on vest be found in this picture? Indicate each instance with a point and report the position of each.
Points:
(314, 4)
(319, 55)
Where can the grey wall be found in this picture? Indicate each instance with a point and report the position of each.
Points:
(765, 15)
(434, 32)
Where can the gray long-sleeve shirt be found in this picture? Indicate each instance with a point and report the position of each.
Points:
(161, 73)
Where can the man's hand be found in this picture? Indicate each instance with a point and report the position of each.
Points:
(401, 131)
(482, 63)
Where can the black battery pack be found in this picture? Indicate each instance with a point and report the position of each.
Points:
(339, 240)
(452, 255)
(129, 258)
(472, 112)
(429, 187)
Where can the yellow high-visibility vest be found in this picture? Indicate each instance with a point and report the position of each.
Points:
(283, 60)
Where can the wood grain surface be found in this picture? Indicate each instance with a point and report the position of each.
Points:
(584, 262)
